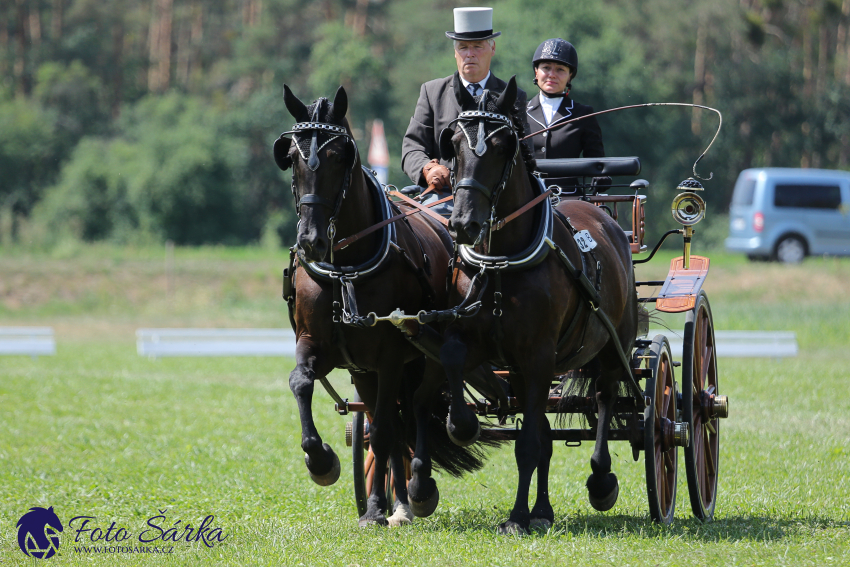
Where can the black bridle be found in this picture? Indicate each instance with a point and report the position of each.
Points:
(465, 120)
(313, 128)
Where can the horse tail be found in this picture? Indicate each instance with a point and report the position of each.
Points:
(445, 455)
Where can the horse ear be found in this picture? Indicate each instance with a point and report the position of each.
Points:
(464, 99)
(340, 105)
(447, 148)
(281, 153)
(506, 100)
(295, 107)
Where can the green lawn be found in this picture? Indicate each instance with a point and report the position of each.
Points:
(99, 431)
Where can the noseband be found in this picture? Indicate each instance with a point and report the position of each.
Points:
(498, 122)
(313, 128)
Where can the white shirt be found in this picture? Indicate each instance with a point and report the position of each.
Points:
(549, 106)
(482, 83)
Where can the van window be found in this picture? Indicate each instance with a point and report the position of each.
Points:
(807, 196)
(744, 191)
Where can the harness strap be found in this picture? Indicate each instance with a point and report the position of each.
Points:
(338, 336)
(498, 330)
(422, 278)
(421, 207)
(499, 224)
(345, 242)
(289, 287)
(591, 295)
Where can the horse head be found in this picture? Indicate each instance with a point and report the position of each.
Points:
(322, 155)
(485, 146)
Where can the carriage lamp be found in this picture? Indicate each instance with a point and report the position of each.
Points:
(688, 210)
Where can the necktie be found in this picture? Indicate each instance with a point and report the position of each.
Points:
(474, 88)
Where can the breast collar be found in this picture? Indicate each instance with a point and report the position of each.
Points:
(531, 256)
(325, 271)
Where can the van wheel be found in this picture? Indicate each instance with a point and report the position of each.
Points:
(790, 250)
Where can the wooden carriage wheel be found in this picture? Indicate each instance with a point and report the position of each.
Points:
(701, 407)
(660, 432)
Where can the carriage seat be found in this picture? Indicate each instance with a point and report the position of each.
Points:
(589, 167)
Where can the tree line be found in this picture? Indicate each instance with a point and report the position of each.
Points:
(124, 120)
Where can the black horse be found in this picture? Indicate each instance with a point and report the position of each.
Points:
(543, 314)
(401, 266)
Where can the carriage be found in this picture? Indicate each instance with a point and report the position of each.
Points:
(675, 413)
(621, 395)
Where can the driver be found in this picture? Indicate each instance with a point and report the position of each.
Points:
(555, 66)
(474, 47)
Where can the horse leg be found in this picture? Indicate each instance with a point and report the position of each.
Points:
(402, 514)
(528, 449)
(542, 515)
(382, 436)
(602, 485)
(462, 423)
(422, 489)
(322, 463)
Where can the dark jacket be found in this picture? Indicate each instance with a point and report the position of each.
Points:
(435, 109)
(582, 138)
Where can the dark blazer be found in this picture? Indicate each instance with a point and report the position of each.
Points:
(436, 107)
(579, 139)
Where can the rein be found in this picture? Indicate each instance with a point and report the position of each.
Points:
(345, 242)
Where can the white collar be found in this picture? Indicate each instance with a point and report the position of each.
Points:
(481, 83)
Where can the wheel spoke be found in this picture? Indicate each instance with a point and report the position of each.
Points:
(710, 428)
(709, 458)
(710, 390)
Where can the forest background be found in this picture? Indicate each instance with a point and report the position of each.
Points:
(147, 121)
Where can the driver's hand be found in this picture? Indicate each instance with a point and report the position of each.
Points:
(437, 176)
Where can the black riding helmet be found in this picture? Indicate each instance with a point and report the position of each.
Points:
(557, 50)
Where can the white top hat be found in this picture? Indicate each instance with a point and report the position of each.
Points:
(473, 24)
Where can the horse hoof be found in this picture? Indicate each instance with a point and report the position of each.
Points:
(606, 502)
(426, 507)
(366, 522)
(329, 477)
(462, 442)
(512, 528)
(402, 516)
(541, 524)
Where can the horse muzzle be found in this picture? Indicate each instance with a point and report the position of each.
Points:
(314, 246)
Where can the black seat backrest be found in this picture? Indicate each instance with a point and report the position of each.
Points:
(589, 167)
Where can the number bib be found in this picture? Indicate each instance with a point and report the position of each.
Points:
(585, 241)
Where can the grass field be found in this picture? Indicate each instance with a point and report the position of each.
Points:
(99, 431)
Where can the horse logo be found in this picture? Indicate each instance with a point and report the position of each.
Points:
(38, 533)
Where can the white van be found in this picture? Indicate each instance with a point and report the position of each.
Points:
(786, 214)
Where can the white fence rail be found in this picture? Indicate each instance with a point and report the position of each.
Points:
(157, 343)
(741, 344)
(30, 341)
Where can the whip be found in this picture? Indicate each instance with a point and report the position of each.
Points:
(702, 155)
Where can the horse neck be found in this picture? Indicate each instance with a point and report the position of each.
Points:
(515, 236)
(357, 213)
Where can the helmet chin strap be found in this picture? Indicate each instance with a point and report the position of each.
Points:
(561, 94)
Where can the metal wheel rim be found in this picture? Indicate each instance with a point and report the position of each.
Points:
(700, 376)
(661, 465)
(790, 251)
